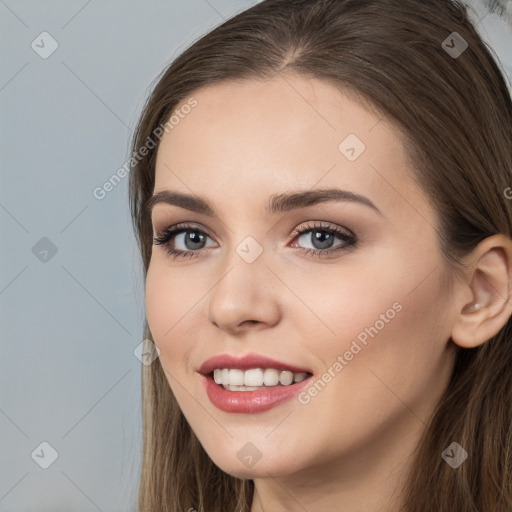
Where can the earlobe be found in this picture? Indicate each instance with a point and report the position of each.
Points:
(488, 284)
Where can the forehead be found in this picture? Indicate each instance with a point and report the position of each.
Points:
(260, 137)
(296, 109)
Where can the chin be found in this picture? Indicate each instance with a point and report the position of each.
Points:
(257, 471)
(260, 469)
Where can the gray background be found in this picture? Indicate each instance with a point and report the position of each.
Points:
(71, 320)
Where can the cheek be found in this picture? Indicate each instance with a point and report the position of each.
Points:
(158, 303)
(393, 319)
(170, 312)
(403, 357)
(169, 309)
(393, 367)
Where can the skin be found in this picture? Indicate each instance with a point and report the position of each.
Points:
(349, 448)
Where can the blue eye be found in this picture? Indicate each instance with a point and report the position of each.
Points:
(322, 239)
(321, 236)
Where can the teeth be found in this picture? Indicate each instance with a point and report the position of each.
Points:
(299, 377)
(251, 378)
(235, 379)
(271, 377)
(242, 388)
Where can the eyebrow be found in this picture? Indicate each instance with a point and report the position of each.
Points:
(277, 203)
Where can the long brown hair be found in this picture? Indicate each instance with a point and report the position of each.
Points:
(454, 112)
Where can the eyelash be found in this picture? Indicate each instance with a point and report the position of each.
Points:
(166, 236)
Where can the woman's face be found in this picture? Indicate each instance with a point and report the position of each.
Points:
(364, 306)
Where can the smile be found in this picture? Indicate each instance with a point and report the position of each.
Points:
(250, 399)
(249, 380)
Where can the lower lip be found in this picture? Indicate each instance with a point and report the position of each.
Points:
(250, 402)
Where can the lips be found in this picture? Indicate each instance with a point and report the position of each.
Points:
(255, 401)
(246, 362)
(250, 402)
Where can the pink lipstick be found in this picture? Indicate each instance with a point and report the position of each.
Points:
(251, 401)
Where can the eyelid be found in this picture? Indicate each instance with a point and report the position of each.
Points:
(321, 225)
(298, 230)
(349, 239)
(181, 225)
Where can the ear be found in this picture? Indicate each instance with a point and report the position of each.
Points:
(485, 305)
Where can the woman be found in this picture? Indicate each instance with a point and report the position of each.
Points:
(323, 211)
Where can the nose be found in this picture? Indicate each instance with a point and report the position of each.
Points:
(245, 296)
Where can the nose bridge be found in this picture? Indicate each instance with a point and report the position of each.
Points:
(242, 291)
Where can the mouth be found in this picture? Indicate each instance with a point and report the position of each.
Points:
(248, 399)
(255, 379)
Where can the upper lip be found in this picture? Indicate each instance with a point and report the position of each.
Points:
(247, 362)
